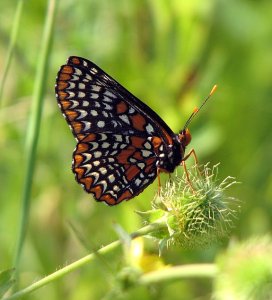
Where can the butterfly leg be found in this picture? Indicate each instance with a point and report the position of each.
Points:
(191, 153)
(159, 181)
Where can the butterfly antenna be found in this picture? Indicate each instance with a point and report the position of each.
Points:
(197, 109)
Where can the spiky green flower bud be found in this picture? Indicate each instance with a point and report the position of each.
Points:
(194, 213)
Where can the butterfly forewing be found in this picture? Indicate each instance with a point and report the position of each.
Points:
(118, 136)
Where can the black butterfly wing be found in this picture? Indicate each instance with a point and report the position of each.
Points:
(118, 136)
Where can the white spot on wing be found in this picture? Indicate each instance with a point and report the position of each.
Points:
(138, 181)
(94, 95)
(97, 154)
(125, 119)
(87, 125)
(96, 163)
(88, 77)
(118, 138)
(141, 165)
(96, 88)
(77, 71)
(81, 94)
(71, 85)
(100, 124)
(111, 178)
(82, 113)
(75, 104)
(108, 93)
(94, 113)
(81, 86)
(105, 145)
(149, 128)
(103, 171)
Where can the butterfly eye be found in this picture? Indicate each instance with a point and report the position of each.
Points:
(185, 137)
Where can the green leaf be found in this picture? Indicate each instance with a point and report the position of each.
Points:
(6, 280)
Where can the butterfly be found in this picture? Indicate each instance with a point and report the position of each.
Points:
(122, 144)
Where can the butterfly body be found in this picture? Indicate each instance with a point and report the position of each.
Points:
(122, 144)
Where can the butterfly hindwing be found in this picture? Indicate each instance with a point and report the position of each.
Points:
(114, 167)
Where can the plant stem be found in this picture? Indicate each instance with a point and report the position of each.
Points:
(34, 126)
(173, 273)
(13, 38)
(83, 261)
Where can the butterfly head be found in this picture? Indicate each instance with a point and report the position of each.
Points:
(185, 137)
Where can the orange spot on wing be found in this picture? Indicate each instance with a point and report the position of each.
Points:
(71, 114)
(82, 147)
(65, 104)
(62, 95)
(67, 69)
(138, 122)
(131, 172)
(90, 137)
(62, 84)
(138, 155)
(156, 141)
(149, 162)
(64, 76)
(77, 126)
(78, 159)
(121, 107)
(87, 181)
(148, 169)
(126, 195)
(124, 155)
(75, 61)
(97, 191)
(108, 199)
(137, 142)
(79, 172)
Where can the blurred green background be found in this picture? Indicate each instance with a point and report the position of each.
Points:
(169, 54)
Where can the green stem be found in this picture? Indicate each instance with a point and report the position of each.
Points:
(81, 262)
(186, 271)
(34, 126)
(13, 38)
